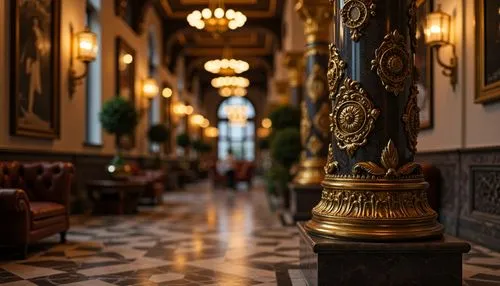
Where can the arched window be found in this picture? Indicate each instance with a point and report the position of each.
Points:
(93, 134)
(236, 128)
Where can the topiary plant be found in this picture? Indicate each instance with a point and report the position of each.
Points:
(158, 133)
(264, 143)
(201, 146)
(183, 140)
(118, 116)
(285, 147)
(285, 116)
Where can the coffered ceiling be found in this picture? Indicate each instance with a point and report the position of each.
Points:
(255, 42)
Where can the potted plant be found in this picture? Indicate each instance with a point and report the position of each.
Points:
(158, 133)
(184, 142)
(118, 117)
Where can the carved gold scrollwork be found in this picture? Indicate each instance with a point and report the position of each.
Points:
(305, 124)
(314, 145)
(392, 62)
(331, 165)
(412, 24)
(356, 15)
(322, 120)
(411, 119)
(353, 116)
(390, 165)
(335, 72)
(316, 83)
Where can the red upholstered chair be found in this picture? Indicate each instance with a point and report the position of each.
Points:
(34, 201)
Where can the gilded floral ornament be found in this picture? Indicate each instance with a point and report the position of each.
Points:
(390, 165)
(412, 24)
(316, 83)
(335, 72)
(353, 116)
(331, 165)
(392, 62)
(305, 124)
(314, 145)
(411, 119)
(356, 15)
(322, 120)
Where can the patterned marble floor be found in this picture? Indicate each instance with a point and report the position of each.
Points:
(198, 237)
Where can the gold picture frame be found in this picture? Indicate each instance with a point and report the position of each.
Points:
(488, 58)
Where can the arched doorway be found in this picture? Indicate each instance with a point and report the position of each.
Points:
(237, 135)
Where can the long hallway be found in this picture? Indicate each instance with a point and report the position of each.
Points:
(197, 237)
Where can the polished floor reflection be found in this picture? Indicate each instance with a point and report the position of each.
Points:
(198, 237)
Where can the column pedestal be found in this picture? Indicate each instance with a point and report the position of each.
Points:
(302, 199)
(338, 262)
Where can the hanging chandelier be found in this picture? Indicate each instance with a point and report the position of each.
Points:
(215, 19)
(227, 65)
(231, 85)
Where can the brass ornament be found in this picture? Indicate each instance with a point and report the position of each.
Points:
(374, 210)
(390, 165)
(392, 62)
(411, 119)
(412, 24)
(305, 124)
(316, 83)
(314, 145)
(335, 72)
(317, 16)
(331, 165)
(353, 116)
(322, 120)
(356, 15)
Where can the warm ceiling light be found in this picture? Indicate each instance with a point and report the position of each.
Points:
(211, 132)
(188, 110)
(197, 119)
(267, 123)
(166, 92)
(231, 81)
(205, 123)
(228, 91)
(216, 20)
(226, 66)
(150, 88)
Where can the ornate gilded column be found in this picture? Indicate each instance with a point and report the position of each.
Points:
(373, 189)
(317, 15)
(294, 63)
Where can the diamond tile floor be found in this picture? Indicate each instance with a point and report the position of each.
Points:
(197, 237)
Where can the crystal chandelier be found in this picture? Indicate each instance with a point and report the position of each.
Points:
(215, 19)
(227, 65)
(231, 85)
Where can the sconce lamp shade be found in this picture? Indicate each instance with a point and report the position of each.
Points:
(150, 88)
(166, 92)
(437, 28)
(205, 123)
(87, 46)
(197, 119)
(211, 132)
(267, 123)
(188, 110)
(180, 109)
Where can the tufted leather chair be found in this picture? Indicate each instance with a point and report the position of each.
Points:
(34, 201)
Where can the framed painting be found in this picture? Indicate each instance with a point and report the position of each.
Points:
(424, 68)
(34, 68)
(487, 47)
(125, 80)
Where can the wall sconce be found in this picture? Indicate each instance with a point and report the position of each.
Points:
(437, 32)
(86, 52)
(205, 123)
(211, 132)
(150, 89)
(266, 123)
(188, 109)
(197, 119)
(166, 92)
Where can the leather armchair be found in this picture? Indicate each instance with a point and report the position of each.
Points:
(34, 201)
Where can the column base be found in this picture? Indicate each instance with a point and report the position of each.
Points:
(303, 198)
(326, 261)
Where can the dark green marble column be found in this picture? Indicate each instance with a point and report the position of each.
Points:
(315, 107)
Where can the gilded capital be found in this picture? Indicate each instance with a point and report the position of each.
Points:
(316, 15)
(294, 63)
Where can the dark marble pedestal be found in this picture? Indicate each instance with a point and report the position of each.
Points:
(302, 200)
(327, 262)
